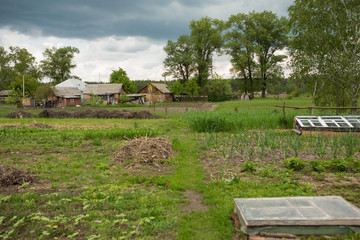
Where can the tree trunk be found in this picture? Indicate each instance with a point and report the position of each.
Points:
(263, 89)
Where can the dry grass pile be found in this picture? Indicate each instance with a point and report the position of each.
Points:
(11, 176)
(145, 150)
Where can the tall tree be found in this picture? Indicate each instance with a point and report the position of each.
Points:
(326, 46)
(239, 45)
(207, 39)
(120, 76)
(6, 73)
(254, 41)
(23, 62)
(58, 63)
(180, 58)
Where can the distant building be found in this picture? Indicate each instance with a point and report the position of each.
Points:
(157, 92)
(4, 94)
(66, 96)
(110, 93)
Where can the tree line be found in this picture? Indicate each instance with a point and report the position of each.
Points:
(320, 41)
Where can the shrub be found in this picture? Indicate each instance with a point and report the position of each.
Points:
(294, 164)
(249, 166)
(317, 166)
(339, 165)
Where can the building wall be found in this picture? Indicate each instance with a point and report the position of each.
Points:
(66, 102)
(152, 94)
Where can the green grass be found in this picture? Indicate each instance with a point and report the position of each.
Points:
(83, 193)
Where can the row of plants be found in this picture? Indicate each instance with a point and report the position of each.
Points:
(250, 145)
(233, 121)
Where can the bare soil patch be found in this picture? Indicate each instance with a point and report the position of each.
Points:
(195, 204)
(39, 125)
(11, 176)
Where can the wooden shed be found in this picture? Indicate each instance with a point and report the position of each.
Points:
(156, 92)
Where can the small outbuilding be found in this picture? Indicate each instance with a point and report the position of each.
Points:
(4, 94)
(110, 93)
(156, 92)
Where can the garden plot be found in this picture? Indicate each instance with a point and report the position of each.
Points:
(321, 161)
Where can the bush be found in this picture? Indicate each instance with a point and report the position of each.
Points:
(317, 166)
(249, 166)
(339, 165)
(294, 164)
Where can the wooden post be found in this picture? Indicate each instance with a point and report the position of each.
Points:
(284, 114)
(166, 109)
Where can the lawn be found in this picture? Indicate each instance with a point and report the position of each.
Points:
(77, 185)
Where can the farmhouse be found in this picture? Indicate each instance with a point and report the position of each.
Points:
(66, 96)
(156, 92)
(110, 93)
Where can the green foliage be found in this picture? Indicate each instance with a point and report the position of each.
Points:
(57, 63)
(252, 41)
(95, 100)
(42, 92)
(218, 89)
(119, 133)
(124, 99)
(120, 76)
(249, 166)
(317, 166)
(339, 165)
(207, 39)
(294, 164)
(325, 54)
(180, 60)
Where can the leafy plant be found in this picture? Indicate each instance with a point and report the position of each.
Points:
(249, 166)
(339, 165)
(294, 164)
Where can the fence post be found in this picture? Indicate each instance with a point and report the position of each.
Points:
(284, 114)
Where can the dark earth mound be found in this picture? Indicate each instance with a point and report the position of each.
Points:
(11, 176)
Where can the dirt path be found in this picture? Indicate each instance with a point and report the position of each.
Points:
(195, 204)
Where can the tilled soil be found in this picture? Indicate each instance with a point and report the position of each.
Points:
(11, 176)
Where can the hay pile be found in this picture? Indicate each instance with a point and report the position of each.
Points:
(40, 125)
(145, 150)
(11, 176)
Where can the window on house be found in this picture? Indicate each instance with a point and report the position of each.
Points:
(72, 100)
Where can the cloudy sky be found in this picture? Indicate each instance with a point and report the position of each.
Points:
(110, 34)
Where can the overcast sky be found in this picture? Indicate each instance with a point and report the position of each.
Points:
(110, 34)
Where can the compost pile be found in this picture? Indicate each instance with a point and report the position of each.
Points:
(17, 114)
(11, 176)
(100, 113)
(145, 150)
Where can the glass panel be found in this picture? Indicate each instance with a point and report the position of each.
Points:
(343, 124)
(317, 123)
(306, 117)
(331, 124)
(352, 117)
(330, 117)
(356, 125)
(305, 123)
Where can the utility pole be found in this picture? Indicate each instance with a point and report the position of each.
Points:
(23, 87)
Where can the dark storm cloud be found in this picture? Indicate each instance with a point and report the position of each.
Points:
(89, 19)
